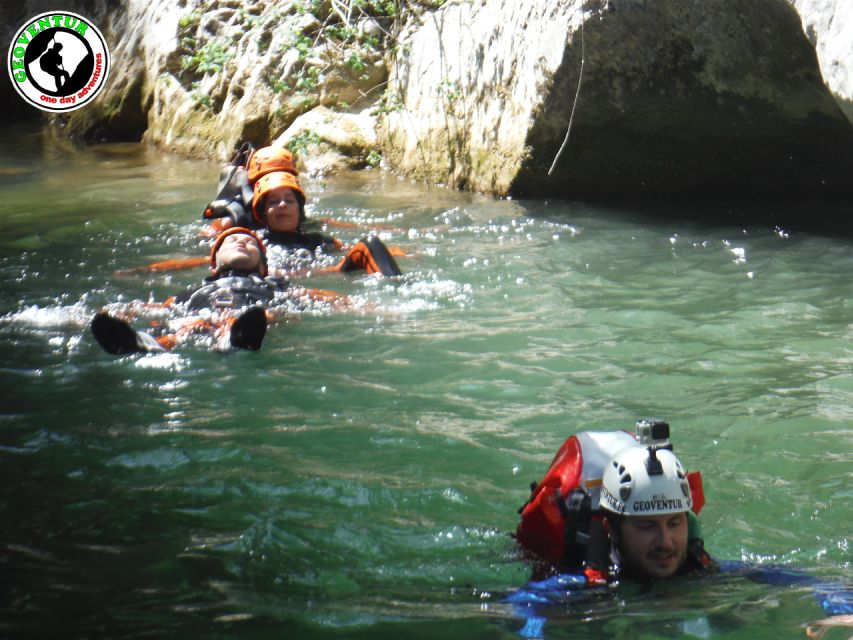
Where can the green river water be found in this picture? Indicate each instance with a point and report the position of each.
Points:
(359, 476)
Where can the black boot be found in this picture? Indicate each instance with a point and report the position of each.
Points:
(118, 337)
(249, 329)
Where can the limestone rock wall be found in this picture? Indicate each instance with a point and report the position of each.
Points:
(199, 77)
(828, 24)
(468, 83)
(677, 96)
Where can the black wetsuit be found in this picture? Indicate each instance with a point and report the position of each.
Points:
(247, 294)
(232, 289)
(308, 240)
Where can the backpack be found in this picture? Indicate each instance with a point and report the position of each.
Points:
(234, 199)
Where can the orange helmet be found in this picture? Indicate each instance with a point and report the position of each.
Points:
(272, 181)
(262, 267)
(268, 159)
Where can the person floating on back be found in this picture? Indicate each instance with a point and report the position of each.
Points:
(232, 303)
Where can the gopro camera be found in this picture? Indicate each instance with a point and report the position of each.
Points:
(653, 432)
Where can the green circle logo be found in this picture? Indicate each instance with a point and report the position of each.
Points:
(58, 61)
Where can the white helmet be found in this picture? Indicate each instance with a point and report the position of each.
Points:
(645, 481)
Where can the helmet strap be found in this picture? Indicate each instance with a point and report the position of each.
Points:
(262, 210)
(598, 549)
(612, 524)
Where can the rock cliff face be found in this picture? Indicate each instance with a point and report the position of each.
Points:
(462, 114)
(829, 26)
(676, 96)
(663, 96)
(201, 76)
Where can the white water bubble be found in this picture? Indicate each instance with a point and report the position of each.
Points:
(739, 253)
(164, 361)
(50, 316)
(453, 496)
(698, 627)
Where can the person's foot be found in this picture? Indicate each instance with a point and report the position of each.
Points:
(373, 256)
(249, 329)
(382, 257)
(118, 337)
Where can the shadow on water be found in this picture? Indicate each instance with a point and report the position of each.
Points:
(35, 146)
(830, 217)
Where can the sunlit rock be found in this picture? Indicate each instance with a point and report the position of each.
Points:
(677, 96)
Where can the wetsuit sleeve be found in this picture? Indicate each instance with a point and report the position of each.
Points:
(527, 601)
(234, 212)
(834, 598)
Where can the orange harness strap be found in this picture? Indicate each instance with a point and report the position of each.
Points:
(219, 328)
(173, 264)
(215, 227)
(168, 341)
(195, 325)
(341, 224)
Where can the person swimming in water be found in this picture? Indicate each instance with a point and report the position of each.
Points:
(616, 507)
(278, 206)
(646, 496)
(232, 304)
(266, 195)
(613, 504)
